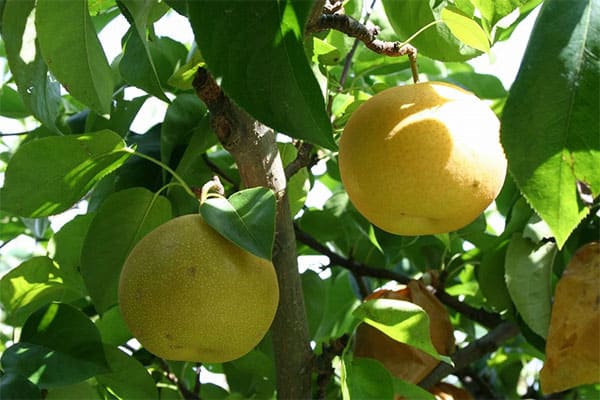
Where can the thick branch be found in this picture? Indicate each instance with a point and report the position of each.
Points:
(254, 149)
(473, 352)
(367, 34)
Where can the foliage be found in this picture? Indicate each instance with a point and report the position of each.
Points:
(62, 334)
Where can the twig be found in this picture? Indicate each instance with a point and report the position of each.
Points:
(215, 169)
(481, 316)
(350, 55)
(474, 351)
(196, 389)
(13, 134)
(185, 392)
(352, 266)
(367, 34)
(304, 158)
(323, 367)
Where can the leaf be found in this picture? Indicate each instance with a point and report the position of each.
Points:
(528, 269)
(112, 327)
(61, 169)
(552, 143)
(137, 68)
(40, 94)
(366, 378)
(16, 387)
(263, 66)
(298, 185)
(128, 379)
(121, 116)
(44, 355)
(401, 320)
(437, 42)
(247, 218)
(182, 118)
(411, 391)
(34, 283)
(11, 103)
(66, 246)
(121, 221)
(77, 59)
(490, 275)
(465, 29)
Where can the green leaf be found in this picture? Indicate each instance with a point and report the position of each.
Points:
(316, 294)
(528, 269)
(465, 29)
(137, 67)
(412, 391)
(182, 118)
(83, 390)
(298, 185)
(35, 282)
(40, 94)
(65, 249)
(192, 167)
(437, 41)
(401, 320)
(47, 358)
(490, 275)
(550, 122)
(17, 387)
(122, 115)
(494, 10)
(11, 103)
(128, 379)
(366, 378)
(263, 66)
(247, 218)
(112, 327)
(77, 59)
(121, 221)
(61, 169)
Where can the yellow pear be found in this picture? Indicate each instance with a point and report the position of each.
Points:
(422, 159)
(189, 294)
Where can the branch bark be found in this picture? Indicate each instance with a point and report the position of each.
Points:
(368, 35)
(481, 316)
(254, 149)
(474, 351)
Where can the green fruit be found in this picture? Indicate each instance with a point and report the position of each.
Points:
(189, 294)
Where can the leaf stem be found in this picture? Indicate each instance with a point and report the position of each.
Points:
(164, 166)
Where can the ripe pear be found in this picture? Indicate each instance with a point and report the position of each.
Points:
(422, 159)
(189, 294)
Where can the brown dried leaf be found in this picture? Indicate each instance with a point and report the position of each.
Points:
(402, 360)
(573, 343)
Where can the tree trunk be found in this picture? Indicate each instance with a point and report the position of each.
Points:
(255, 151)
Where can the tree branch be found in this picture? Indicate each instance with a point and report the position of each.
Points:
(183, 389)
(255, 151)
(474, 351)
(304, 158)
(489, 320)
(367, 34)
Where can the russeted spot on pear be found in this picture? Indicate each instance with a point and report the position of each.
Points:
(422, 159)
(189, 294)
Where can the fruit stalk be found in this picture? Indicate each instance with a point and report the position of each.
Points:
(255, 151)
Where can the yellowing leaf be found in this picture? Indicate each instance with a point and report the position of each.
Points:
(466, 30)
(572, 347)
